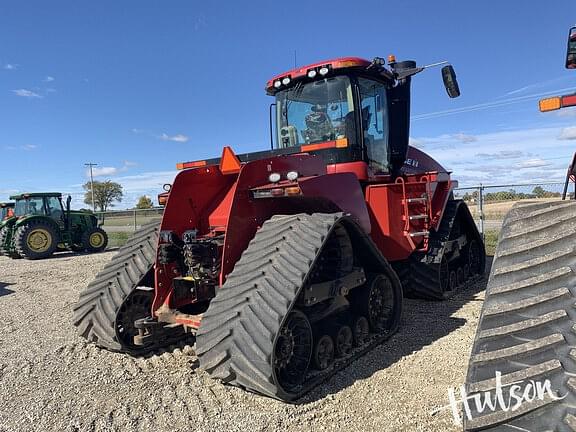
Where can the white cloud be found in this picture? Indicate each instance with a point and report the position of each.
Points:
(27, 147)
(465, 138)
(176, 138)
(503, 154)
(10, 66)
(103, 171)
(26, 93)
(418, 143)
(568, 133)
(108, 171)
(533, 163)
(48, 79)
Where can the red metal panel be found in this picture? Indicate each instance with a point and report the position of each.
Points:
(343, 190)
(247, 214)
(194, 196)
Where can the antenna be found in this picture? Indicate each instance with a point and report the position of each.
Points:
(295, 65)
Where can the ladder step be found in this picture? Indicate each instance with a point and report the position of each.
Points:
(417, 200)
(419, 216)
(419, 233)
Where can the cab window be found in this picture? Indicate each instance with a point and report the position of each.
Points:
(374, 114)
(315, 112)
(53, 207)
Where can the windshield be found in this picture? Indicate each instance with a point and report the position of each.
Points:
(30, 206)
(315, 112)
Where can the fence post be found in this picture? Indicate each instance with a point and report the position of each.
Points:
(134, 219)
(481, 209)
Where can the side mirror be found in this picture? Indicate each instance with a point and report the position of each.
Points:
(450, 82)
(571, 49)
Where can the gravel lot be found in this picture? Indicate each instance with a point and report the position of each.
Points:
(51, 380)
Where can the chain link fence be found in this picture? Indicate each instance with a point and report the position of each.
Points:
(120, 224)
(489, 204)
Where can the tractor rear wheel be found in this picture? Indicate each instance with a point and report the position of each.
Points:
(3, 234)
(109, 305)
(94, 240)
(35, 240)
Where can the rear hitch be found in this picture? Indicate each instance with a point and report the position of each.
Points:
(152, 332)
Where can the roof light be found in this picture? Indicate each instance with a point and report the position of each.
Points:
(323, 70)
(274, 178)
(568, 100)
(277, 83)
(312, 73)
(292, 175)
(391, 58)
(286, 80)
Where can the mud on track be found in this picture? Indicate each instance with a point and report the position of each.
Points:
(51, 380)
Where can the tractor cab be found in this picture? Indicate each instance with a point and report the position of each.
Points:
(350, 109)
(6, 210)
(40, 204)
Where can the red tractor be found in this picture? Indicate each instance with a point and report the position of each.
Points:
(287, 264)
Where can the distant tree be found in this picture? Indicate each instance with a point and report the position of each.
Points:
(539, 192)
(144, 202)
(105, 194)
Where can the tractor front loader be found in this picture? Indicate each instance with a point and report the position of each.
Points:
(287, 264)
(41, 225)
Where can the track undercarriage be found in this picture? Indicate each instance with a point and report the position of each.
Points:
(309, 295)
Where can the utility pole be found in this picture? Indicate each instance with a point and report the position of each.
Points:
(92, 184)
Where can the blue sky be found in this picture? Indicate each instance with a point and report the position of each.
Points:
(137, 86)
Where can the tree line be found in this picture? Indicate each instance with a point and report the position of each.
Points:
(107, 193)
(511, 194)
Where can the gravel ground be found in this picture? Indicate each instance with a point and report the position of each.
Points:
(51, 380)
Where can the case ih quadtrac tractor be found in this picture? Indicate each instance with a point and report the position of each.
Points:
(287, 264)
(41, 226)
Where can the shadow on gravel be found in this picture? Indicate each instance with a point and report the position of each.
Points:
(5, 291)
(423, 323)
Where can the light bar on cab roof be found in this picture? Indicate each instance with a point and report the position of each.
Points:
(313, 70)
(185, 165)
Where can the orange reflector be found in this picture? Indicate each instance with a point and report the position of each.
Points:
(229, 163)
(295, 190)
(342, 142)
(184, 165)
(569, 100)
(550, 104)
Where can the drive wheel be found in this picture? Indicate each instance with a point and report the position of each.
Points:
(292, 351)
(375, 300)
(3, 235)
(35, 240)
(323, 355)
(138, 305)
(95, 240)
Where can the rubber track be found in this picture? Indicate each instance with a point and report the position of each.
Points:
(236, 339)
(420, 275)
(527, 328)
(96, 309)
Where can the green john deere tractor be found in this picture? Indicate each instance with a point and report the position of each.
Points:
(41, 225)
